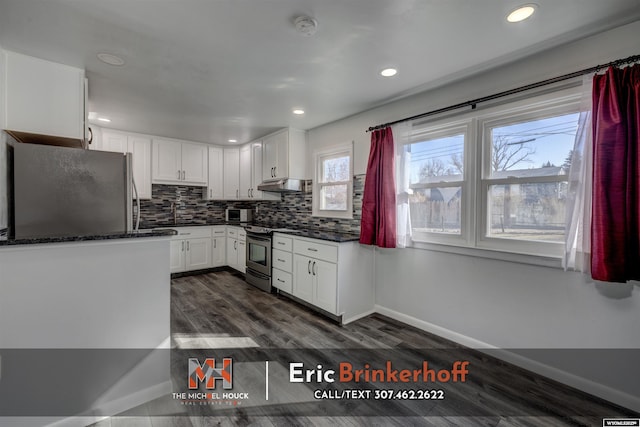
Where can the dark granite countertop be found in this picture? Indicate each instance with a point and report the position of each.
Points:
(154, 232)
(312, 233)
(330, 236)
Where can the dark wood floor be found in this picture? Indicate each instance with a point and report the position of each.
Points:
(218, 305)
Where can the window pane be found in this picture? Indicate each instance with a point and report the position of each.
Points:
(436, 210)
(437, 160)
(534, 148)
(335, 169)
(333, 197)
(534, 211)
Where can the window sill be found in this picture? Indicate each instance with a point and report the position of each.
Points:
(538, 260)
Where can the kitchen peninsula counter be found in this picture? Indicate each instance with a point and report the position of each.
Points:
(4, 241)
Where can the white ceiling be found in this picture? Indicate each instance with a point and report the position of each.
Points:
(211, 70)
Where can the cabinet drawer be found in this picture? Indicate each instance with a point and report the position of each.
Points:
(218, 231)
(282, 280)
(282, 243)
(192, 232)
(282, 260)
(316, 250)
(242, 235)
(232, 232)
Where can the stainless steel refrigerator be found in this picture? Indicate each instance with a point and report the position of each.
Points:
(59, 191)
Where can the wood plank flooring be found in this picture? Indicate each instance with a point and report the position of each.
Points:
(221, 304)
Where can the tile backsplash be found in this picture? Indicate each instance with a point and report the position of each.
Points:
(292, 210)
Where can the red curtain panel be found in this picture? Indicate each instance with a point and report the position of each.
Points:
(615, 225)
(378, 224)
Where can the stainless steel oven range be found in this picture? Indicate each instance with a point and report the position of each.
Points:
(259, 257)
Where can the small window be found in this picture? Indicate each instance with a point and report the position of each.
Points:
(333, 183)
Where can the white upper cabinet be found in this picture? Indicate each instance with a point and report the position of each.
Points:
(176, 162)
(246, 182)
(284, 155)
(43, 97)
(214, 189)
(140, 148)
(231, 174)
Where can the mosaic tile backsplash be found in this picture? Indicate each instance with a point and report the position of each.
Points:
(292, 210)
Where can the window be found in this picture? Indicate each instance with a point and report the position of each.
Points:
(437, 202)
(333, 183)
(496, 179)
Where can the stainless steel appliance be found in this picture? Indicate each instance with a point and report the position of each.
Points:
(258, 271)
(239, 215)
(58, 191)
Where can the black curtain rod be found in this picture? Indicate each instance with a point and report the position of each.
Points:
(474, 102)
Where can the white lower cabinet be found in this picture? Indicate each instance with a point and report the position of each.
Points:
(316, 282)
(218, 246)
(191, 249)
(335, 277)
(236, 248)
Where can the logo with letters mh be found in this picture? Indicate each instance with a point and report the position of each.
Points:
(208, 373)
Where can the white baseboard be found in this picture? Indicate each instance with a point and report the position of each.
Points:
(588, 386)
(358, 316)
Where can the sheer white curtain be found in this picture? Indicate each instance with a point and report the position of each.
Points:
(401, 133)
(578, 230)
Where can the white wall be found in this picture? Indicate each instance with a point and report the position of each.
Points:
(492, 302)
(3, 146)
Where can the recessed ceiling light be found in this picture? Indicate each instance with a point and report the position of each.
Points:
(233, 140)
(298, 111)
(521, 13)
(110, 59)
(388, 72)
(104, 119)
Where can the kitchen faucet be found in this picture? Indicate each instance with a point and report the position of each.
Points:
(174, 210)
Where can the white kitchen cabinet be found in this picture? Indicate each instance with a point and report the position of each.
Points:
(178, 162)
(231, 185)
(284, 155)
(246, 181)
(282, 263)
(43, 97)
(316, 282)
(214, 190)
(334, 277)
(218, 246)
(140, 148)
(191, 249)
(236, 248)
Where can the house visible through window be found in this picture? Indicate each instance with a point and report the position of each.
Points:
(333, 183)
(496, 179)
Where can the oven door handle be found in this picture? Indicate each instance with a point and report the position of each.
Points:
(259, 239)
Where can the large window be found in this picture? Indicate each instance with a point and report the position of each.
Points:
(333, 183)
(497, 179)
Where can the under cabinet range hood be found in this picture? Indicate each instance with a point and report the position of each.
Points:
(285, 185)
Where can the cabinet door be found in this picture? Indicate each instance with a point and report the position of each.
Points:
(198, 254)
(219, 251)
(302, 278)
(326, 285)
(43, 97)
(232, 253)
(114, 142)
(216, 168)
(177, 258)
(166, 164)
(242, 256)
(194, 163)
(245, 171)
(281, 169)
(269, 157)
(140, 149)
(231, 173)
